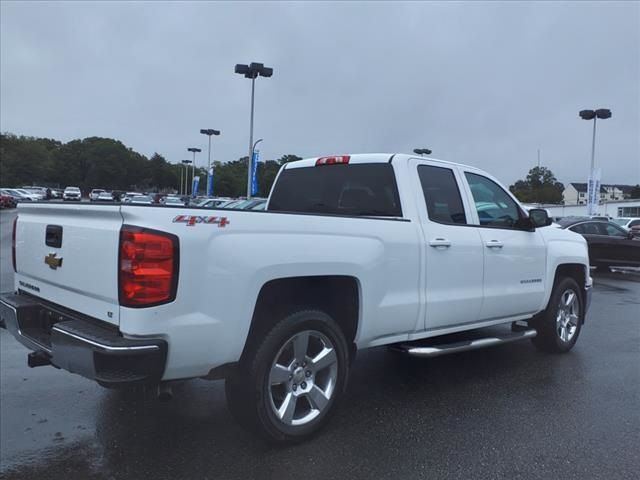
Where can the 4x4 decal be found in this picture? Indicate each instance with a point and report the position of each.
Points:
(192, 220)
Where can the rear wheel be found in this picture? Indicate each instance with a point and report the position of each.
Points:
(289, 384)
(560, 324)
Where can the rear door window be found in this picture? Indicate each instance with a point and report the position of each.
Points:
(367, 189)
(441, 194)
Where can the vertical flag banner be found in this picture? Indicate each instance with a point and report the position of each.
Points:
(593, 192)
(210, 182)
(195, 186)
(254, 172)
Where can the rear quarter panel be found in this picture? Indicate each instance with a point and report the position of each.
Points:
(222, 270)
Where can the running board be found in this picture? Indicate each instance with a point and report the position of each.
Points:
(463, 346)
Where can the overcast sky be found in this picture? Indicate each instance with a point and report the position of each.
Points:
(485, 84)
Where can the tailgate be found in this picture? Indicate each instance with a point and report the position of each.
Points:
(78, 268)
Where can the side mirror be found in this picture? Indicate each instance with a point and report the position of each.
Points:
(539, 217)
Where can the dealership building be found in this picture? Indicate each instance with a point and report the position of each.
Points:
(611, 208)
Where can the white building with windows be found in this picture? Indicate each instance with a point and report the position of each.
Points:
(576, 193)
(612, 208)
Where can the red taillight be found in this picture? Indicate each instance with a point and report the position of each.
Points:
(148, 267)
(13, 243)
(335, 160)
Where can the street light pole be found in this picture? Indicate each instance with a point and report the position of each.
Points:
(250, 163)
(186, 175)
(252, 71)
(209, 132)
(193, 166)
(603, 114)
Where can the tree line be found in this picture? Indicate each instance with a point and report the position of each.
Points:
(97, 162)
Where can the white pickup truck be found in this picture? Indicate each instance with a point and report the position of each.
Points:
(352, 252)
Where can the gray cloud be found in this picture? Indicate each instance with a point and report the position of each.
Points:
(485, 84)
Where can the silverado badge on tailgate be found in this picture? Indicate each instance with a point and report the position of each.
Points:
(53, 261)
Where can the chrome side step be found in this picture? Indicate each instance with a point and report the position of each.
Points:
(436, 350)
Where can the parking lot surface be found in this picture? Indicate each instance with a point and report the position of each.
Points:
(507, 412)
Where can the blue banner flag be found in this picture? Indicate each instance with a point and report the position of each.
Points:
(254, 172)
(210, 183)
(195, 187)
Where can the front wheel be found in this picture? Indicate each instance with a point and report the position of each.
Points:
(288, 385)
(560, 324)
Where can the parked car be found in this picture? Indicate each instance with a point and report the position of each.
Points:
(105, 197)
(610, 245)
(214, 203)
(93, 195)
(141, 200)
(126, 198)
(7, 201)
(56, 193)
(43, 193)
(627, 222)
(173, 202)
(72, 194)
(16, 196)
(356, 251)
(34, 197)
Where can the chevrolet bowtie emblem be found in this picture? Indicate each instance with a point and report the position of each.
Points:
(53, 261)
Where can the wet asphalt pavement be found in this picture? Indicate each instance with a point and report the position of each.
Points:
(507, 412)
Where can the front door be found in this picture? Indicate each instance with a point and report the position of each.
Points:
(514, 259)
(453, 249)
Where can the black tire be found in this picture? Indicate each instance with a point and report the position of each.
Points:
(546, 323)
(249, 390)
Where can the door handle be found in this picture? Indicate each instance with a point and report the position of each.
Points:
(439, 242)
(494, 244)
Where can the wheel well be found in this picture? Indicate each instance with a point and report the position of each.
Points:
(576, 271)
(335, 295)
(573, 270)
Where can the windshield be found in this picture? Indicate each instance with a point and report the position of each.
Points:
(620, 221)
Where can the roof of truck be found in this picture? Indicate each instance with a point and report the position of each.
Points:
(367, 158)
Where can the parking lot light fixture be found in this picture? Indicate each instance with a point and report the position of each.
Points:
(252, 71)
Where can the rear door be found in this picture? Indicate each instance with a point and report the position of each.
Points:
(68, 255)
(621, 249)
(453, 259)
(514, 259)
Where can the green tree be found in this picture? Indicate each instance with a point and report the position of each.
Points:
(635, 192)
(540, 186)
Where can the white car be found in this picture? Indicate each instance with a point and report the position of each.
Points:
(173, 202)
(94, 194)
(126, 198)
(627, 222)
(354, 251)
(72, 194)
(40, 192)
(34, 197)
(141, 200)
(105, 197)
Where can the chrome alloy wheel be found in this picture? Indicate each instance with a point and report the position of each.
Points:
(568, 315)
(303, 377)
